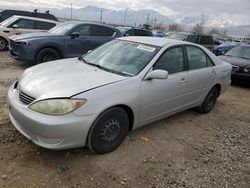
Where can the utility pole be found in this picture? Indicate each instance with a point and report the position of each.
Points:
(101, 17)
(148, 18)
(71, 11)
(125, 16)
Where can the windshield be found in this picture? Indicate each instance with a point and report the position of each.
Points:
(62, 29)
(178, 36)
(8, 21)
(240, 51)
(122, 57)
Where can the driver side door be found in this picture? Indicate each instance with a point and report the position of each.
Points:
(76, 46)
(161, 97)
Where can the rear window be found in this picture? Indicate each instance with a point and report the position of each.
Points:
(101, 31)
(207, 40)
(44, 25)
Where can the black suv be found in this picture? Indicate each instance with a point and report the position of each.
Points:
(129, 31)
(5, 14)
(204, 40)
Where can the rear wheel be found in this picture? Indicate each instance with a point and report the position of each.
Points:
(108, 131)
(3, 44)
(47, 54)
(209, 102)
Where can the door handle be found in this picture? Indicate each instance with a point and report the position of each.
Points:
(213, 72)
(183, 80)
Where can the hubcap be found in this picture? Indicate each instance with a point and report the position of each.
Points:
(110, 131)
(49, 57)
(210, 101)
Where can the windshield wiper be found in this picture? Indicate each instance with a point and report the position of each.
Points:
(101, 67)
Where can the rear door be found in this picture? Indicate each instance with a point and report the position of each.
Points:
(159, 97)
(200, 76)
(100, 35)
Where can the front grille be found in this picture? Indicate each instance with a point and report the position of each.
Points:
(26, 99)
(235, 68)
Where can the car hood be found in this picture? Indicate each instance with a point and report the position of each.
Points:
(235, 60)
(64, 78)
(29, 36)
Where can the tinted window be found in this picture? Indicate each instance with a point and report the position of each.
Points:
(44, 25)
(193, 38)
(130, 32)
(102, 31)
(196, 58)
(206, 40)
(172, 61)
(24, 24)
(149, 33)
(83, 30)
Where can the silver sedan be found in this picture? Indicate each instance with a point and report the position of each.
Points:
(94, 100)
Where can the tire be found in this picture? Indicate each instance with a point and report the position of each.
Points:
(108, 131)
(3, 44)
(47, 54)
(209, 102)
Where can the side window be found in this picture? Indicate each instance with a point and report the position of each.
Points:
(139, 32)
(101, 31)
(172, 61)
(207, 40)
(149, 33)
(24, 24)
(196, 58)
(83, 30)
(130, 32)
(193, 38)
(44, 25)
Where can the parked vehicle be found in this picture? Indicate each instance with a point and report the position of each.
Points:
(239, 58)
(158, 34)
(223, 48)
(5, 14)
(130, 31)
(69, 39)
(17, 25)
(96, 99)
(204, 40)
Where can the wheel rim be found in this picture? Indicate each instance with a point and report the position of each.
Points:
(49, 57)
(210, 101)
(110, 132)
(2, 44)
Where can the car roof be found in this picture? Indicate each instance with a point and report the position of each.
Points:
(35, 18)
(91, 23)
(154, 41)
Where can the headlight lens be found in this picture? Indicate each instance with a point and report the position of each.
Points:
(57, 106)
(247, 70)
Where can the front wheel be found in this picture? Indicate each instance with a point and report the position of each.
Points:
(47, 54)
(108, 131)
(209, 102)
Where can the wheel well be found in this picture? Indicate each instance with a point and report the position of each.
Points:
(218, 87)
(4, 39)
(52, 47)
(130, 115)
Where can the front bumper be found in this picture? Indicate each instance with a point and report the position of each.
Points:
(241, 77)
(51, 132)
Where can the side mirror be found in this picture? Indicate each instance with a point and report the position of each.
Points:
(15, 26)
(74, 35)
(156, 74)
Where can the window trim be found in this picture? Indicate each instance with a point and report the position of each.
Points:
(11, 25)
(78, 26)
(207, 57)
(184, 57)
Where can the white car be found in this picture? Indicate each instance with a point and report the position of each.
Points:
(17, 25)
(124, 84)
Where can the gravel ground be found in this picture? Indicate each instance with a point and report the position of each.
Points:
(185, 150)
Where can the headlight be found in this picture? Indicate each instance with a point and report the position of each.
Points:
(247, 70)
(57, 106)
(23, 43)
